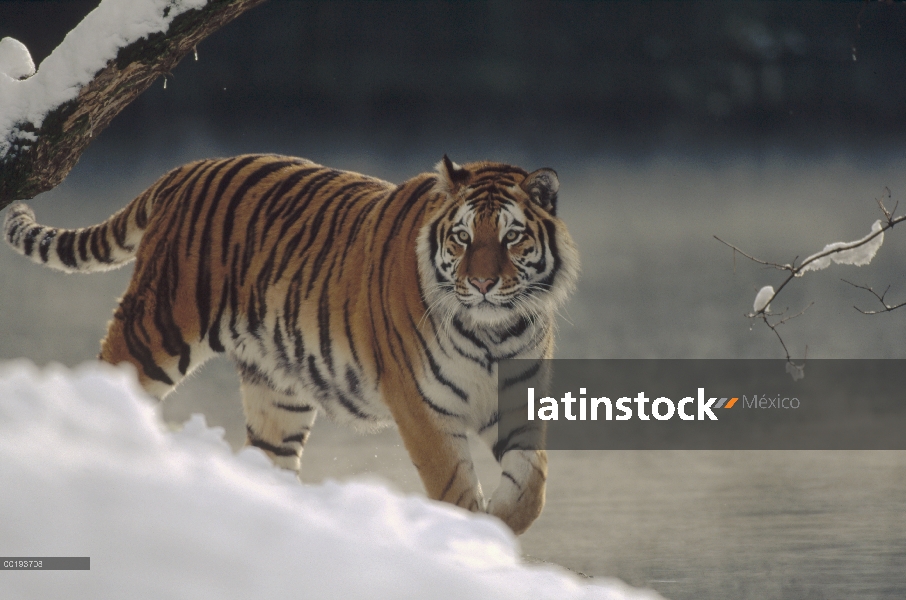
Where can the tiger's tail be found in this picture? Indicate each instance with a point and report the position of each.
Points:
(108, 245)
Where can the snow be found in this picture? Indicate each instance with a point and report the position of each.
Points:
(88, 469)
(762, 297)
(15, 61)
(859, 252)
(84, 51)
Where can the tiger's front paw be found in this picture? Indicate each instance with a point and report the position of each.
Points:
(519, 498)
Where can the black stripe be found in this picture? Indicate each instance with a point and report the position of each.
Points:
(495, 418)
(378, 356)
(314, 226)
(119, 227)
(511, 478)
(521, 326)
(438, 409)
(352, 381)
(291, 314)
(316, 376)
(99, 253)
(251, 180)
(13, 228)
(344, 238)
(233, 299)
(198, 200)
(141, 215)
(352, 408)
(280, 345)
(253, 374)
(203, 284)
(435, 368)
(552, 247)
(83, 237)
(434, 247)
(450, 482)
(360, 219)
(214, 331)
(347, 326)
(281, 200)
(45, 243)
(276, 191)
(310, 192)
(324, 323)
(28, 241)
(251, 315)
(525, 375)
(483, 362)
(65, 250)
(288, 251)
(297, 438)
(327, 246)
(295, 207)
(461, 330)
(300, 408)
(138, 349)
(254, 440)
(503, 445)
(171, 336)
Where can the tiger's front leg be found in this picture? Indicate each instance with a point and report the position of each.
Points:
(439, 449)
(519, 498)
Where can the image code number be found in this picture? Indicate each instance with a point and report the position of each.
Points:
(23, 564)
(45, 563)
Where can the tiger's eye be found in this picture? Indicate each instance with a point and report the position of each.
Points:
(511, 236)
(463, 236)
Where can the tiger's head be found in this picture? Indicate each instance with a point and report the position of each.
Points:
(495, 251)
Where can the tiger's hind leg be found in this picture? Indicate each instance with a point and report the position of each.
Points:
(162, 358)
(276, 422)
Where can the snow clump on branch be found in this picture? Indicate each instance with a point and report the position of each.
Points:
(762, 298)
(859, 252)
(15, 60)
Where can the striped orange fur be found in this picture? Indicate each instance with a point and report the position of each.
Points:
(337, 292)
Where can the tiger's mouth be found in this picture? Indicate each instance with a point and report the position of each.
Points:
(493, 308)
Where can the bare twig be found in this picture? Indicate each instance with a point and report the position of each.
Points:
(763, 315)
(880, 297)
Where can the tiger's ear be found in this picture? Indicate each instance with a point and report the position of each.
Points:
(542, 186)
(452, 175)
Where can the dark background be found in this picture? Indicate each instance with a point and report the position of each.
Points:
(581, 76)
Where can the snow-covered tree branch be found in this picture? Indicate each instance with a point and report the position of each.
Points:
(49, 116)
(858, 252)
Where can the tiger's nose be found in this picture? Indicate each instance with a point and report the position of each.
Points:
(483, 285)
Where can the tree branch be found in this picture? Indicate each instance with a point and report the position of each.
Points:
(31, 167)
(796, 271)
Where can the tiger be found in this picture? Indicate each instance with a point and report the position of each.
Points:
(341, 293)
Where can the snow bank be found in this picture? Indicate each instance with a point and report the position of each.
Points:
(84, 51)
(87, 469)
